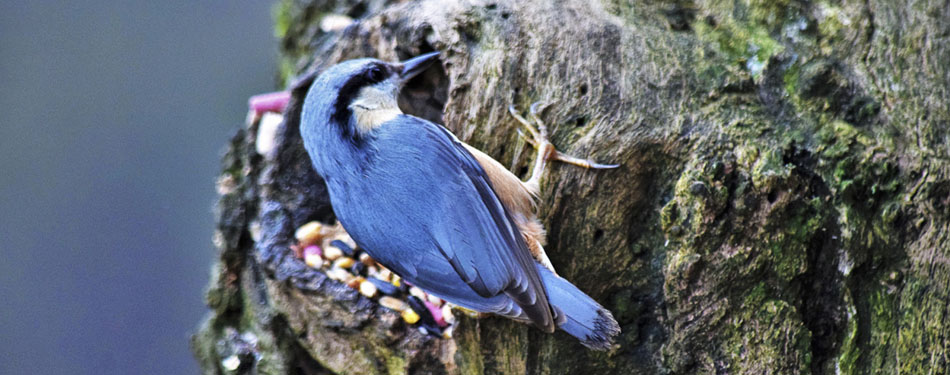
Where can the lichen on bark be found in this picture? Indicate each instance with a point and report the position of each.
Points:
(782, 205)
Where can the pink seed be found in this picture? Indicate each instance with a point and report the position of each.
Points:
(312, 250)
(269, 102)
(436, 312)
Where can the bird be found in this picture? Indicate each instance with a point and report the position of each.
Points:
(441, 214)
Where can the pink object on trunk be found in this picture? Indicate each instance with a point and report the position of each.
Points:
(269, 102)
(436, 312)
(312, 250)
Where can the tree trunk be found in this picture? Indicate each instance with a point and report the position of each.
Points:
(782, 205)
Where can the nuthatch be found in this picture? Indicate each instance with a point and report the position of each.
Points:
(439, 213)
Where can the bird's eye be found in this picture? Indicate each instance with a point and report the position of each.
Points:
(375, 74)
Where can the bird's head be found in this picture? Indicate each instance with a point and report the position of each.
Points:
(358, 95)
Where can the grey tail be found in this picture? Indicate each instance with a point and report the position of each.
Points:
(578, 314)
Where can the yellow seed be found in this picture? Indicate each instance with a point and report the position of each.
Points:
(339, 274)
(309, 233)
(368, 289)
(313, 260)
(343, 262)
(397, 281)
(332, 253)
(355, 282)
(385, 275)
(447, 314)
(410, 316)
(367, 260)
(447, 333)
(392, 303)
(418, 293)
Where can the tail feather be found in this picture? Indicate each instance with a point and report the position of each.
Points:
(578, 314)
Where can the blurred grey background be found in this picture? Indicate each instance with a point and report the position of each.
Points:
(112, 120)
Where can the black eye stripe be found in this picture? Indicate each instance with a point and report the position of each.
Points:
(371, 75)
(375, 74)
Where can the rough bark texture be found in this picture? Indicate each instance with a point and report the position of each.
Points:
(783, 204)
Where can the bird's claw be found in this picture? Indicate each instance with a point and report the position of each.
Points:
(584, 163)
(533, 111)
(539, 140)
(528, 139)
(527, 125)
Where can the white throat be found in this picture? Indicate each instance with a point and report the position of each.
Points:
(373, 107)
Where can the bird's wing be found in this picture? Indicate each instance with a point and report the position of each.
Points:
(455, 206)
(517, 197)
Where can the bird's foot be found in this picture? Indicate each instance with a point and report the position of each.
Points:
(538, 138)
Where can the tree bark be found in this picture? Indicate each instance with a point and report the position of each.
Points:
(782, 205)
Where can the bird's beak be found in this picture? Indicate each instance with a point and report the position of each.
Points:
(416, 65)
